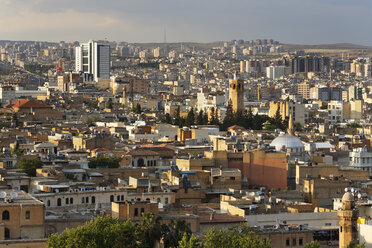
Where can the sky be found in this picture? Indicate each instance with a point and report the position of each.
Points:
(288, 21)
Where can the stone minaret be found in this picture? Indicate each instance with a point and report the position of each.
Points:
(347, 220)
(236, 94)
(290, 126)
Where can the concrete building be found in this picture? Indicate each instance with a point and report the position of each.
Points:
(7, 94)
(275, 72)
(303, 89)
(362, 159)
(335, 112)
(93, 59)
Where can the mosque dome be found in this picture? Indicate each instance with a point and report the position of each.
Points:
(348, 197)
(287, 141)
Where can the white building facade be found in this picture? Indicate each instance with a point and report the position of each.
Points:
(93, 59)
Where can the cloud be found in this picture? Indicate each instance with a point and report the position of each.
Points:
(296, 21)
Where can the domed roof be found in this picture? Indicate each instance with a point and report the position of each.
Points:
(348, 197)
(287, 141)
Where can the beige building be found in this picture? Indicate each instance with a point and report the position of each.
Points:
(303, 89)
(22, 220)
(286, 109)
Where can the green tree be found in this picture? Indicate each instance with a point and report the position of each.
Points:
(199, 118)
(174, 232)
(239, 237)
(137, 109)
(312, 244)
(29, 166)
(102, 161)
(149, 231)
(297, 126)
(103, 232)
(353, 125)
(69, 176)
(110, 104)
(17, 151)
(168, 118)
(15, 120)
(189, 242)
(190, 119)
(353, 245)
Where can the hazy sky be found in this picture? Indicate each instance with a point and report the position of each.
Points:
(289, 21)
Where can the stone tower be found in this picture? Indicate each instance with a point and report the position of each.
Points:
(236, 94)
(347, 220)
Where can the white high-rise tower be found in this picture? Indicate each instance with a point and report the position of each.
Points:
(93, 59)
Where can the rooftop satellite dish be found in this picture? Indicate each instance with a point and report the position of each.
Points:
(97, 188)
(2, 194)
(13, 195)
(57, 190)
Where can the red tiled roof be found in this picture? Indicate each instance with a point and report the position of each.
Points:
(144, 152)
(24, 103)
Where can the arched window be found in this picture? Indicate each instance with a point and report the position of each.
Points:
(71, 200)
(140, 162)
(86, 199)
(6, 233)
(6, 215)
(66, 201)
(59, 202)
(122, 198)
(111, 198)
(48, 203)
(93, 199)
(118, 198)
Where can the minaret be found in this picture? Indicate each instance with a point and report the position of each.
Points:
(290, 126)
(347, 220)
(236, 94)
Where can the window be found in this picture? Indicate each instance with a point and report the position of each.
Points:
(294, 242)
(6, 233)
(93, 199)
(232, 178)
(6, 215)
(166, 200)
(300, 242)
(48, 203)
(66, 201)
(341, 229)
(82, 199)
(158, 200)
(122, 198)
(136, 212)
(287, 242)
(142, 210)
(118, 198)
(59, 202)
(111, 198)
(28, 215)
(71, 200)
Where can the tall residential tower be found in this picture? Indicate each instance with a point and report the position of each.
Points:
(93, 59)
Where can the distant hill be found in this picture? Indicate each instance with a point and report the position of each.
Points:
(336, 46)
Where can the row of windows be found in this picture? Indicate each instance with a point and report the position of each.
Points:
(294, 242)
(6, 215)
(92, 200)
(363, 160)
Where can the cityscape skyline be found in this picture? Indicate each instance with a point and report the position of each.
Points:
(315, 22)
